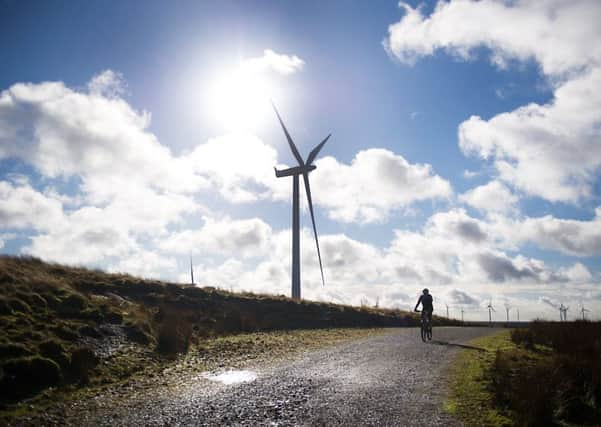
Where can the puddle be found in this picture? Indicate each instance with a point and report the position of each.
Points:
(232, 377)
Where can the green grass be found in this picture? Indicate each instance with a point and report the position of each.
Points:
(471, 397)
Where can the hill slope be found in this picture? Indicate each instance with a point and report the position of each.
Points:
(62, 326)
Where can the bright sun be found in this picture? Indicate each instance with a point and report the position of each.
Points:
(240, 99)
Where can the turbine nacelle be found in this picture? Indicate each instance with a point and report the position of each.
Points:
(297, 170)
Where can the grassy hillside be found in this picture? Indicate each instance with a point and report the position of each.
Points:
(64, 326)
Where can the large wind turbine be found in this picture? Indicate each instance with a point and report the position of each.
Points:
(303, 169)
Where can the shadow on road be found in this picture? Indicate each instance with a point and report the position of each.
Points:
(449, 344)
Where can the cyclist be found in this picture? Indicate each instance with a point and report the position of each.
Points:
(426, 301)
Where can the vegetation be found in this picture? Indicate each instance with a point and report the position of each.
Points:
(553, 376)
(471, 396)
(76, 326)
(543, 375)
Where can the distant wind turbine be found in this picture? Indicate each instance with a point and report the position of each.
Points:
(462, 315)
(191, 270)
(447, 305)
(303, 169)
(490, 310)
(507, 308)
(563, 312)
(583, 310)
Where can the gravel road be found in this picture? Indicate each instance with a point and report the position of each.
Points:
(386, 380)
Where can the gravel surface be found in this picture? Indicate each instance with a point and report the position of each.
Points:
(386, 380)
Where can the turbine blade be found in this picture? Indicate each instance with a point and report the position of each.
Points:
(293, 148)
(316, 150)
(308, 192)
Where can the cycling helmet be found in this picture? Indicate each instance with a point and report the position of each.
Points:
(425, 291)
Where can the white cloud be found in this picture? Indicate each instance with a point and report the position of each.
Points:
(23, 207)
(280, 63)
(146, 264)
(4, 237)
(469, 174)
(560, 35)
(494, 197)
(240, 166)
(549, 150)
(572, 237)
(108, 83)
(376, 182)
(65, 133)
(245, 237)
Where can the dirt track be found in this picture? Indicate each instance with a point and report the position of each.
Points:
(391, 380)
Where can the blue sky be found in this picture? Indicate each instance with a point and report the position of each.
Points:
(465, 153)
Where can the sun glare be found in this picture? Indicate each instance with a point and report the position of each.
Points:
(240, 99)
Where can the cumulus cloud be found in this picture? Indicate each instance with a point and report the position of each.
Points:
(102, 140)
(548, 150)
(552, 150)
(461, 298)
(493, 197)
(240, 167)
(23, 207)
(376, 182)
(108, 83)
(570, 236)
(245, 237)
(272, 61)
(500, 268)
(547, 32)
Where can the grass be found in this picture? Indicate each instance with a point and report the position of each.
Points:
(553, 376)
(545, 375)
(471, 397)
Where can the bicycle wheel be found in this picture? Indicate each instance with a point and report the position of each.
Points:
(429, 332)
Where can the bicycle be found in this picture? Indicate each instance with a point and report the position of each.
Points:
(426, 326)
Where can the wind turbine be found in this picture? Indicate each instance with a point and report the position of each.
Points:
(447, 305)
(507, 308)
(490, 310)
(191, 270)
(563, 312)
(518, 310)
(462, 315)
(583, 310)
(303, 169)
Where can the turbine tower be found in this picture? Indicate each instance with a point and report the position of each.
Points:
(507, 308)
(583, 310)
(303, 169)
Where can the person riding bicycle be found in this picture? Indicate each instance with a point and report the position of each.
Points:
(425, 299)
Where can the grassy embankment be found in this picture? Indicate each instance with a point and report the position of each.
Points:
(63, 327)
(548, 374)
